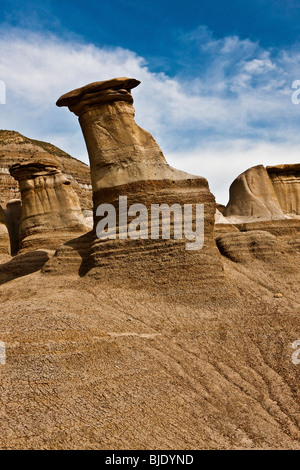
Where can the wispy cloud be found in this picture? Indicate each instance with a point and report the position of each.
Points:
(231, 109)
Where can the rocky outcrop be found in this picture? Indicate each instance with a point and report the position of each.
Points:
(194, 357)
(125, 160)
(4, 237)
(264, 207)
(285, 180)
(252, 197)
(120, 151)
(245, 247)
(16, 148)
(260, 193)
(268, 259)
(13, 215)
(51, 213)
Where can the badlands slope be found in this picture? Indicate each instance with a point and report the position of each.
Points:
(141, 344)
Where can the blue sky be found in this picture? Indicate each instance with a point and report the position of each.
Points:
(216, 75)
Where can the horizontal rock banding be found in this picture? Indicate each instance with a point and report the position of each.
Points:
(260, 193)
(16, 148)
(285, 180)
(4, 236)
(125, 160)
(50, 207)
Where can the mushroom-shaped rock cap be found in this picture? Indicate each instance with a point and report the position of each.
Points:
(36, 165)
(73, 97)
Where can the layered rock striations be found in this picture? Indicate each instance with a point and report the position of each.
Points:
(16, 148)
(252, 197)
(264, 208)
(213, 367)
(260, 193)
(125, 160)
(285, 180)
(4, 236)
(51, 212)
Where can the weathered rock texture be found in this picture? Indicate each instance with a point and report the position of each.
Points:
(51, 213)
(15, 148)
(264, 206)
(261, 193)
(13, 215)
(252, 196)
(120, 151)
(140, 344)
(4, 237)
(125, 160)
(285, 180)
(96, 364)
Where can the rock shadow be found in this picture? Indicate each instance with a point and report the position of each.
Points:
(22, 265)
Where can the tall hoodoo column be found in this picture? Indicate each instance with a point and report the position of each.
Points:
(120, 151)
(51, 212)
(125, 160)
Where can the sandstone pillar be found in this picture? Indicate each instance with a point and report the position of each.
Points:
(125, 160)
(120, 151)
(51, 213)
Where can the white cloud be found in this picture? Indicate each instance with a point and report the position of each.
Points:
(259, 65)
(237, 112)
(221, 164)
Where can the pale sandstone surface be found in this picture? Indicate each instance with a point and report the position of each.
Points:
(120, 151)
(16, 148)
(141, 344)
(264, 199)
(261, 193)
(51, 212)
(285, 180)
(252, 196)
(126, 160)
(4, 236)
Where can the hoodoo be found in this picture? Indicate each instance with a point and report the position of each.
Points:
(120, 151)
(51, 213)
(125, 160)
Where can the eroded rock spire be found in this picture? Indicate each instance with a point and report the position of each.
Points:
(120, 151)
(125, 160)
(50, 207)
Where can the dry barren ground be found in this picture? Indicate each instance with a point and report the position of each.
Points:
(104, 365)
